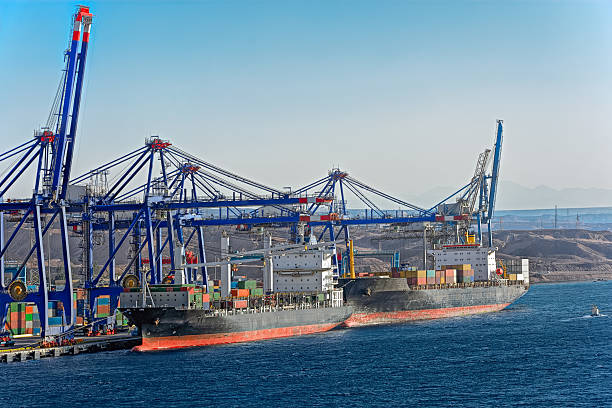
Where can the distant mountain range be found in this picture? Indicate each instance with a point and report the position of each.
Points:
(513, 196)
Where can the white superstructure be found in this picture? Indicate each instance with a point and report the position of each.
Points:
(309, 271)
(482, 259)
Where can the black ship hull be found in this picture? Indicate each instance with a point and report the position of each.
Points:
(389, 300)
(168, 328)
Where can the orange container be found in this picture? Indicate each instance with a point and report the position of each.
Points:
(240, 293)
(240, 304)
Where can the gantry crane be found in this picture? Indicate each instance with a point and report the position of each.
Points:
(50, 154)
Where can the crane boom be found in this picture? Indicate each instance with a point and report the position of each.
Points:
(81, 18)
(495, 173)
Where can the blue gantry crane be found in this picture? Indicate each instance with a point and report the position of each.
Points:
(161, 199)
(457, 210)
(49, 155)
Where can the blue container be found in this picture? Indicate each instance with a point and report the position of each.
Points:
(55, 321)
(234, 285)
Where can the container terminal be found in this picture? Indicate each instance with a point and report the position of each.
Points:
(144, 277)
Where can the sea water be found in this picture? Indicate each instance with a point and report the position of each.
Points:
(543, 351)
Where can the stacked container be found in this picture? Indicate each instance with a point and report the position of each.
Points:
(256, 292)
(465, 276)
(103, 306)
(411, 276)
(431, 277)
(450, 276)
(16, 319)
(240, 293)
(422, 277)
(79, 298)
(247, 284)
(216, 289)
(240, 304)
(55, 311)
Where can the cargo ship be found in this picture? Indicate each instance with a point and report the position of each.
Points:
(177, 322)
(304, 301)
(450, 290)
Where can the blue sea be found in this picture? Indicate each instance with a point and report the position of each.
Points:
(543, 351)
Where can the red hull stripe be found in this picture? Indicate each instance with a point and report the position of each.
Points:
(85, 37)
(76, 35)
(195, 340)
(364, 319)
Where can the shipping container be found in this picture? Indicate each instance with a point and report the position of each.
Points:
(240, 304)
(256, 292)
(238, 293)
(247, 284)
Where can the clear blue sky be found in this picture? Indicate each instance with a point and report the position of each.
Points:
(403, 95)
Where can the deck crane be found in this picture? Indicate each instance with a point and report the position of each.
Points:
(51, 149)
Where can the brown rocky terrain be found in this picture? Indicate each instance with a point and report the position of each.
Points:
(554, 255)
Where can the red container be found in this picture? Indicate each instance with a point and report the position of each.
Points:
(421, 281)
(240, 304)
(205, 297)
(431, 280)
(395, 274)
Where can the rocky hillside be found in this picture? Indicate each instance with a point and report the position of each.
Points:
(553, 254)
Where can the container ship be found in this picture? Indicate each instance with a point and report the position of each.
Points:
(305, 301)
(451, 289)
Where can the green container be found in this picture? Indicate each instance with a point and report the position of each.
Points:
(14, 307)
(321, 297)
(247, 284)
(256, 292)
(216, 296)
(29, 318)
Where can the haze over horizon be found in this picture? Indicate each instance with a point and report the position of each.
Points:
(402, 95)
